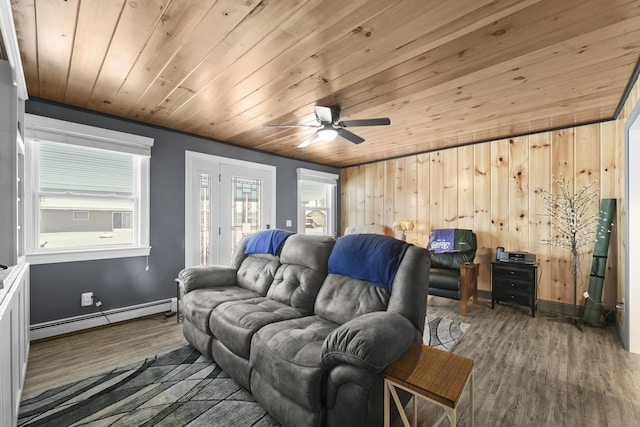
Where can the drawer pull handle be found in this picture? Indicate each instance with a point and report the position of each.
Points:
(512, 272)
(513, 285)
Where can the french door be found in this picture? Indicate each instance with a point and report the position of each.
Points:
(225, 200)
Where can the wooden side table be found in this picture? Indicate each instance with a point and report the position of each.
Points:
(468, 285)
(431, 374)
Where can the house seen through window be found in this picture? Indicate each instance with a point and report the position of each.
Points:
(317, 202)
(87, 192)
(86, 197)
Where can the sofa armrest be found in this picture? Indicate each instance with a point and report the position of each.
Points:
(206, 276)
(371, 341)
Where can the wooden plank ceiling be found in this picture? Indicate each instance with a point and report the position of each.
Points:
(445, 72)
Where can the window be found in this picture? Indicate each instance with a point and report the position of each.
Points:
(87, 192)
(317, 202)
(81, 215)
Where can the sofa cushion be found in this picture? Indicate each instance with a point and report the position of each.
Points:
(304, 261)
(342, 298)
(444, 278)
(296, 286)
(198, 304)
(287, 355)
(452, 247)
(309, 251)
(256, 272)
(266, 241)
(369, 257)
(452, 260)
(235, 322)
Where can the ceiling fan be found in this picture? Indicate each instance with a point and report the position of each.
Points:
(329, 126)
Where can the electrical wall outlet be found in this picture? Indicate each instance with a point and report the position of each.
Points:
(86, 299)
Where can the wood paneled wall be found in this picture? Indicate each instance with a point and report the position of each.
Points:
(494, 189)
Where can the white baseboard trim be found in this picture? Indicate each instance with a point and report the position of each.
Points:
(78, 323)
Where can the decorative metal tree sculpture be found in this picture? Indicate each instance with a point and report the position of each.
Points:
(573, 225)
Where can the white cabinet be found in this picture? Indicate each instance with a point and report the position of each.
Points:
(14, 340)
(14, 286)
(11, 169)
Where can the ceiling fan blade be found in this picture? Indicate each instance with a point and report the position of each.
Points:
(309, 140)
(326, 114)
(350, 136)
(383, 121)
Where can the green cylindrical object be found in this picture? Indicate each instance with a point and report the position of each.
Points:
(593, 312)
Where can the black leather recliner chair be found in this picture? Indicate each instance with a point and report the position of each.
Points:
(453, 274)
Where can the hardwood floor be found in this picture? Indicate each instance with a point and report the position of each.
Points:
(60, 360)
(528, 371)
(536, 372)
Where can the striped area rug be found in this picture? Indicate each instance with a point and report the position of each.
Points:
(178, 388)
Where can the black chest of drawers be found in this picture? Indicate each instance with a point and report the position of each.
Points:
(514, 283)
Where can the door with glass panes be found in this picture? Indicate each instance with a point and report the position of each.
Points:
(226, 199)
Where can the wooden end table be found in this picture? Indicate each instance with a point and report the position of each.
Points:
(431, 374)
(468, 285)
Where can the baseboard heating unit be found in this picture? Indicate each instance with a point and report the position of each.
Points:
(86, 321)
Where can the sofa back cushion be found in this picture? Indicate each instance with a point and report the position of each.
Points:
(266, 241)
(304, 260)
(452, 247)
(257, 272)
(372, 258)
(362, 271)
(254, 271)
(342, 298)
(452, 260)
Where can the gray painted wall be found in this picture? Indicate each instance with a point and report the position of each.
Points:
(56, 288)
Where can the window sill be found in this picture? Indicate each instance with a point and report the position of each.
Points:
(87, 255)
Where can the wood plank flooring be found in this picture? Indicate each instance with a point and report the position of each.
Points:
(60, 360)
(528, 371)
(539, 372)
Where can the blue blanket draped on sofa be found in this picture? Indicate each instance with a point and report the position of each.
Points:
(370, 257)
(266, 241)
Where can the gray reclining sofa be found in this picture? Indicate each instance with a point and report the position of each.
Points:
(309, 342)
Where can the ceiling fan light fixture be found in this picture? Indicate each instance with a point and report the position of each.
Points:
(327, 134)
(328, 126)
